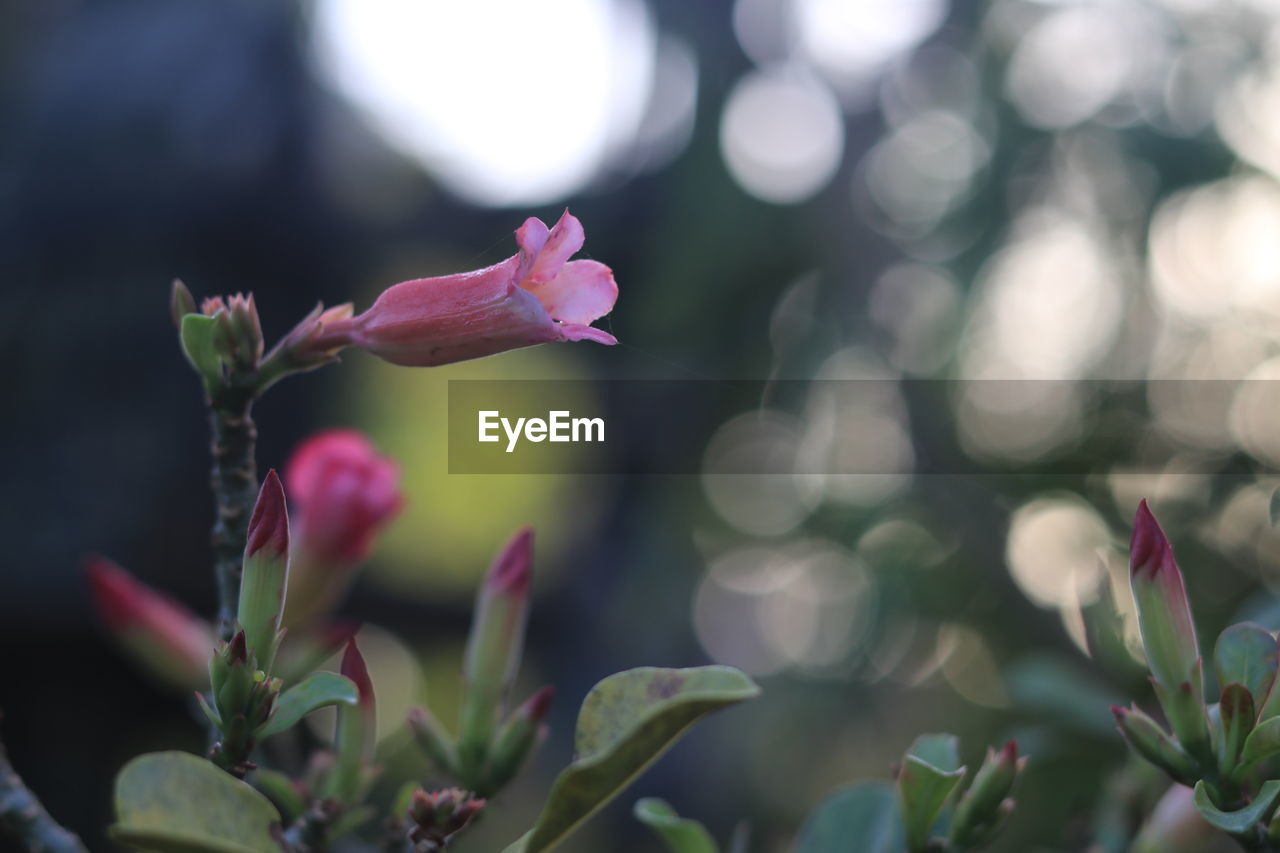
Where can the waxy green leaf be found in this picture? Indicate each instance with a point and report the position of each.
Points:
(197, 334)
(861, 817)
(1246, 654)
(626, 722)
(923, 790)
(1262, 743)
(1241, 820)
(681, 834)
(316, 691)
(175, 802)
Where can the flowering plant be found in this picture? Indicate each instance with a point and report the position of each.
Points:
(285, 551)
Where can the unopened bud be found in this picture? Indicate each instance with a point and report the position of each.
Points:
(266, 571)
(979, 809)
(495, 645)
(356, 735)
(516, 741)
(439, 815)
(1164, 614)
(162, 635)
(1150, 741)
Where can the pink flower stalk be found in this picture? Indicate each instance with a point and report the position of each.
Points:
(167, 638)
(343, 493)
(536, 296)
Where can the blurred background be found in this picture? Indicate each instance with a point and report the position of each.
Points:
(838, 189)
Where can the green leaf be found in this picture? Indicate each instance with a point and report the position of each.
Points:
(923, 790)
(1241, 820)
(626, 722)
(175, 802)
(1262, 743)
(861, 817)
(941, 752)
(316, 691)
(682, 835)
(197, 336)
(281, 791)
(1246, 654)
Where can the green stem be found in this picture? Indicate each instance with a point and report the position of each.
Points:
(24, 820)
(235, 488)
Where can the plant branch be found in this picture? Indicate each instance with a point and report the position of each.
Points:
(234, 481)
(24, 820)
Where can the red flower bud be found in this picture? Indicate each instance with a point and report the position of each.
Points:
(266, 571)
(343, 493)
(1164, 614)
(166, 637)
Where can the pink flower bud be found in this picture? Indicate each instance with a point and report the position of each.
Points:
(157, 631)
(343, 492)
(536, 296)
(265, 577)
(1164, 614)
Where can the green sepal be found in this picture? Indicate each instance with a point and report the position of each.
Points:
(1185, 709)
(434, 739)
(680, 834)
(626, 722)
(1241, 820)
(210, 713)
(316, 691)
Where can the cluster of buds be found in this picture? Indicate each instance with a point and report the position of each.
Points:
(244, 693)
(244, 698)
(489, 749)
(436, 817)
(928, 785)
(1221, 748)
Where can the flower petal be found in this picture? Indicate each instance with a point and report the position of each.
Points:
(577, 332)
(565, 240)
(582, 292)
(530, 237)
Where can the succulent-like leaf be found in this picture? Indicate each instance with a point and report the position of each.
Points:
(1246, 654)
(681, 834)
(626, 722)
(1240, 820)
(860, 817)
(941, 752)
(1262, 743)
(923, 790)
(175, 802)
(1236, 715)
(316, 691)
(197, 336)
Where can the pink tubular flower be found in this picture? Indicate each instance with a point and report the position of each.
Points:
(163, 635)
(342, 492)
(536, 296)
